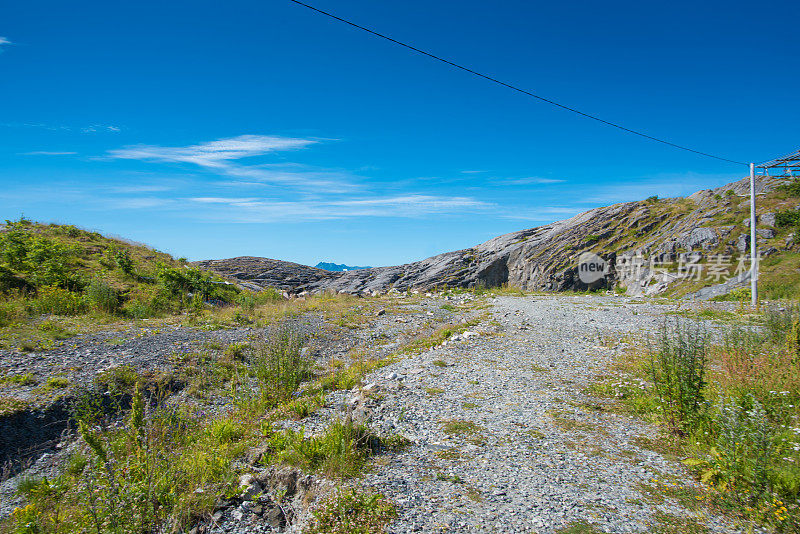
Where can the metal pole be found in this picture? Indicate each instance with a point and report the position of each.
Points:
(753, 257)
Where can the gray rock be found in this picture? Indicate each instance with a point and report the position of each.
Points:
(704, 238)
(765, 233)
(743, 243)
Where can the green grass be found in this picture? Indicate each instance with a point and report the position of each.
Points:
(340, 452)
(580, 527)
(26, 379)
(353, 512)
(56, 382)
(468, 430)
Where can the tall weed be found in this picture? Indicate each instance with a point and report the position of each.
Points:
(280, 363)
(677, 368)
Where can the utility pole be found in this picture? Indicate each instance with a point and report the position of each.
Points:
(753, 257)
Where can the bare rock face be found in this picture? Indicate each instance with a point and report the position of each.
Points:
(542, 258)
(265, 272)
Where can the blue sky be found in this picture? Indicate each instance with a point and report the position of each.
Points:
(211, 129)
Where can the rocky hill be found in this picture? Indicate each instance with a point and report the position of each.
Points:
(702, 228)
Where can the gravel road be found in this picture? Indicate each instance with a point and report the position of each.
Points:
(532, 452)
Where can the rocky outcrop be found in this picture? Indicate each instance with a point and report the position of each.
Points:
(258, 273)
(545, 258)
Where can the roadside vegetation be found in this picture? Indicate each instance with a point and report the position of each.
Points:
(172, 460)
(730, 409)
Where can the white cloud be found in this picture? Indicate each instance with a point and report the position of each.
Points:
(543, 214)
(4, 41)
(47, 153)
(142, 189)
(222, 156)
(663, 184)
(260, 210)
(101, 128)
(215, 153)
(531, 180)
(62, 127)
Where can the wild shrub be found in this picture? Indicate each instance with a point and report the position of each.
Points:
(279, 363)
(186, 280)
(39, 260)
(139, 477)
(792, 188)
(58, 301)
(678, 370)
(124, 261)
(744, 446)
(340, 451)
(787, 218)
(103, 297)
(12, 310)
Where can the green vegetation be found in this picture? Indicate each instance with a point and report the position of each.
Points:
(791, 189)
(78, 277)
(340, 452)
(144, 476)
(731, 408)
(580, 527)
(470, 431)
(788, 218)
(352, 512)
(26, 379)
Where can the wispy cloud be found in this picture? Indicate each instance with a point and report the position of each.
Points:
(47, 153)
(530, 180)
(543, 214)
(94, 128)
(260, 210)
(142, 189)
(662, 184)
(223, 157)
(214, 154)
(4, 41)
(101, 128)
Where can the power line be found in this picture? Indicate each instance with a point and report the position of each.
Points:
(513, 87)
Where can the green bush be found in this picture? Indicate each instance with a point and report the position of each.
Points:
(57, 301)
(339, 452)
(279, 362)
(103, 297)
(744, 446)
(787, 218)
(12, 311)
(678, 370)
(124, 261)
(40, 261)
(792, 188)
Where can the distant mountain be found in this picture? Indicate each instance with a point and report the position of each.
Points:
(338, 267)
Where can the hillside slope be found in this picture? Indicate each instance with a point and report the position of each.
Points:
(704, 227)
